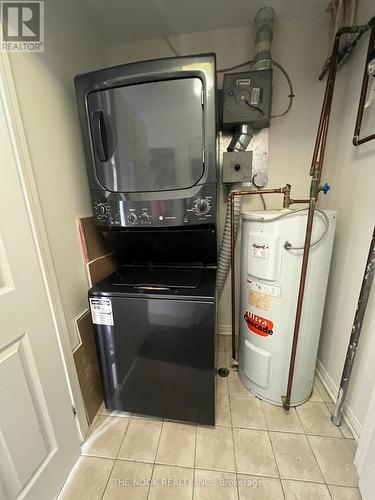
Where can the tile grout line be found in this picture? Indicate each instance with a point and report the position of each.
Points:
(300, 421)
(329, 492)
(195, 459)
(306, 436)
(114, 461)
(278, 431)
(325, 480)
(273, 451)
(234, 448)
(316, 459)
(153, 465)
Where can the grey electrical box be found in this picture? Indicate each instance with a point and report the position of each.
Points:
(247, 98)
(237, 166)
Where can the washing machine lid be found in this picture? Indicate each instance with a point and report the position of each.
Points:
(154, 277)
(173, 283)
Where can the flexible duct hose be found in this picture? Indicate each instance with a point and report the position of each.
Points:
(224, 254)
(240, 140)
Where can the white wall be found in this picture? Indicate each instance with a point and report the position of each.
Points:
(351, 172)
(44, 86)
(300, 47)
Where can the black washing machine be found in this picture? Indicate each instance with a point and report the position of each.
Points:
(156, 340)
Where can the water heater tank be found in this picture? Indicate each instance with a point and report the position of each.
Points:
(269, 288)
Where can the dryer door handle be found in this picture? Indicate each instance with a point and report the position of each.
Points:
(100, 138)
(159, 288)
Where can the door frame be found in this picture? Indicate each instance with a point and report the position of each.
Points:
(38, 229)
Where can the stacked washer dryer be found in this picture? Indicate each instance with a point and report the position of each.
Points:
(149, 134)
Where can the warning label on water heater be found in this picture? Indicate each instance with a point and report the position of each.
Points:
(260, 251)
(257, 324)
(256, 286)
(260, 300)
(101, 311)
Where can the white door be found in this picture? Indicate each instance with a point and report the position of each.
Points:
(39, 440)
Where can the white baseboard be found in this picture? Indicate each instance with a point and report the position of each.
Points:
(349, 417)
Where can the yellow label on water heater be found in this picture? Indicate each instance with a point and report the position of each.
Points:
(260, 300)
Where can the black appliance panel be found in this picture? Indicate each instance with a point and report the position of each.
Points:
(187, 246)
(158, 357)
(148, 137)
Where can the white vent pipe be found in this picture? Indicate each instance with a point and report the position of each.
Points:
(243, 135)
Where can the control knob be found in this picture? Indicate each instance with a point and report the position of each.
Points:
(202, 206)
(145, 218)
(132, 218)
(101, 209)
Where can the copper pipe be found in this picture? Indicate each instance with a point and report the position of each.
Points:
(315, 188)
(362, 99)
(349, 46)
(286, 192)
(292, 202)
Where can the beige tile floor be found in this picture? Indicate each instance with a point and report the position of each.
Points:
(256, 452)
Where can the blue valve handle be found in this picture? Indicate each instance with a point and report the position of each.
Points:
(326, 187)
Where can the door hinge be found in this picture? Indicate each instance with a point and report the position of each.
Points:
(74, 411)
(202, 98)
(203, 156)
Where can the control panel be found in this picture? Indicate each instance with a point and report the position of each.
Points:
(142, 218)
(114, 210)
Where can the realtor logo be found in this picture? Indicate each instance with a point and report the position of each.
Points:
(22, 26)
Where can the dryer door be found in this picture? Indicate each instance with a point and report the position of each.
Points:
(149, 136)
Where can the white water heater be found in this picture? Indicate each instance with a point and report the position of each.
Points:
(270, 274)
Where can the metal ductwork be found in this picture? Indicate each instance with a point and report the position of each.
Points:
(243, 134)
(262, 60)
(263, 38)
(241, 138)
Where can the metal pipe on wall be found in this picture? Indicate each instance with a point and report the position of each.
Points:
(368, 278)
(357, 141)
(315, 188)
(241, 138)
(263, 38)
